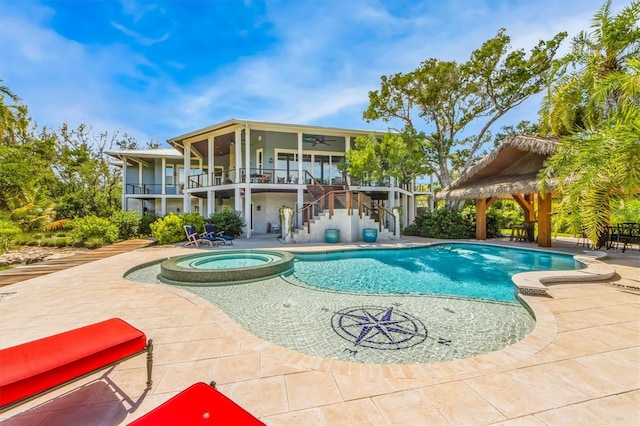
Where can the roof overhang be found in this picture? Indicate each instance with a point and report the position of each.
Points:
(511, 168)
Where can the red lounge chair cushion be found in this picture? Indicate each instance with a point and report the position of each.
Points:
(41, 364)
(199, 404)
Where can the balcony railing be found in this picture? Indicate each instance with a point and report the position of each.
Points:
(151, 189)
(277, 176)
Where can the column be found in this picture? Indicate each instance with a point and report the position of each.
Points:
(186, 196)
(238, 159)
(544, 220)
(300, 176)
(163, 190)
(124, 183)
(300, 202)
(481, 218)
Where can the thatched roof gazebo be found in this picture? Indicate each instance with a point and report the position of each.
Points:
(509, 171)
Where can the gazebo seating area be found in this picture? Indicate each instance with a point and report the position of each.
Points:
(626, 234)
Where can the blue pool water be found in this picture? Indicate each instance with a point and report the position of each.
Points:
(466, 270)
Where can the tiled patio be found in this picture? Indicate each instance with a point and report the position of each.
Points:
(581, 365)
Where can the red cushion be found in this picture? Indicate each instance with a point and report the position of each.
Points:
(45, 363)
(199, 404)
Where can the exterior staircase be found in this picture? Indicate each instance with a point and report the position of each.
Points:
(338, 211)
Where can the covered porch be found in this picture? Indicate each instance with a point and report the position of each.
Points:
(510, 171)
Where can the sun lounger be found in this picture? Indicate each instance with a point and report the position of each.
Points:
(195, 239)
(39, 366)
(199, 404)
(211, 232)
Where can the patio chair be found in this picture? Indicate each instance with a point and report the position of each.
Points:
(275, 228)
(211, 232)
(195, 239)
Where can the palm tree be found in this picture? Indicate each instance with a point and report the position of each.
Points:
(13, 118)
(595, 109)
(613, 41)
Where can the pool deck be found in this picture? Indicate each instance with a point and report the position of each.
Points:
(580, 365)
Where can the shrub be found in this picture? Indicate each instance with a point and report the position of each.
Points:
(93, 231)
(228, 221)
(444, 223)
(168, 230)
(63, 242)
(145, 221)
(193, 219)
(8, 233)
(128, 223)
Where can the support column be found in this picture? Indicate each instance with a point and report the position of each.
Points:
(300, 202)
(163, 206)
(247, 179)
(211, 161)
(392, 193)
(211, 203)
(247, 209)
(544, 220)
(237, 199)
(163, 190)
(481, 218)
(124, 183)
(300, 175)
(247, 155)
(186, 196)
(238, 159)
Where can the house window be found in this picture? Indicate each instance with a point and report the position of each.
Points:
(168, 173)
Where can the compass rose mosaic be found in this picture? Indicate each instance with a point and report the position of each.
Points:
(379, 327)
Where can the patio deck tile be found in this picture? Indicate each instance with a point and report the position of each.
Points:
(580, 365)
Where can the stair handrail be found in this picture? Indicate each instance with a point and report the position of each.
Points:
(325, 199)
(328, 199)
(379, 209)
(314, 180)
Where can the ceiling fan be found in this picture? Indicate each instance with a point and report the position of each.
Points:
(317, 140)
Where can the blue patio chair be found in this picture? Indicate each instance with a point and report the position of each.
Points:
(211, 232)
(195, 239)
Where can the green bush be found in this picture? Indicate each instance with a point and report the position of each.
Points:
(625, 211)
(128, 223)
(228, 221)
(168, 230)
(93, 231)
(444, 223)
(193, 219)
(449, 223)
(145, 221)
(8, 233)
(63, 242)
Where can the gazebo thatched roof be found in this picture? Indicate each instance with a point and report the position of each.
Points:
(511, 168)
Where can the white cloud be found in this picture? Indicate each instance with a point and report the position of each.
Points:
(318, 69)
(139, 38)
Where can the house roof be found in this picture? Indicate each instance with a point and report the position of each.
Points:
(511, 168)
(146, 156)
(265, 125)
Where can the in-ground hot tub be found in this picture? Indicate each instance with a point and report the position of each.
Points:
(225, 267)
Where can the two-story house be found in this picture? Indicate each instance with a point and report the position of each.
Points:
(255, 168)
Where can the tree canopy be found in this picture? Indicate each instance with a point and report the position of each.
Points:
(448, 97)
(394, 155)
(63, 173)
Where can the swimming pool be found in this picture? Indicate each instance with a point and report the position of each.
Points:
(408, 326)
(462, 270)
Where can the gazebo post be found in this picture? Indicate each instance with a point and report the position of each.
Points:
(481, 218)
(544, 220)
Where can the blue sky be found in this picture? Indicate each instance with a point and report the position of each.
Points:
(156, 70)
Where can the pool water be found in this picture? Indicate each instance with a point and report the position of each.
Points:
(462, 270)
(228, 261)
